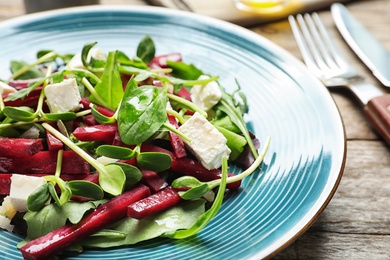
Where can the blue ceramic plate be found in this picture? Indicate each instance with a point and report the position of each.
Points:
(305, 161)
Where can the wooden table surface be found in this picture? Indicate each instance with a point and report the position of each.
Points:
(356, 223)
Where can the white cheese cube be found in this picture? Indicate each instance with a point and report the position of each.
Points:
(76, 63)
(6, 208)
(206, 96)
(21, 187)
(207, 143)
(63, 97)
(5, 223)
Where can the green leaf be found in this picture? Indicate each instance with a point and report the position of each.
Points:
(206, 217)
(113, 179)
(53, 117)
(146, 49)
(42, 53)
(84, 53)
(65, 196)
(75, 211)
(44, 221)
(52, 217)
(100, 118)
(235, 142)
(86, 189)
(198, 188)
(116, 152)
(37, 200)
(184, 71)
(123, 59)
(31, 73)
(24, 114)
(110, 89)
(182, 216)
(154, 161)
(227, 106)
(141, 114)
(133, 174)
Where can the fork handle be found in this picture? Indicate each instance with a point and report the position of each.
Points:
(377, 112)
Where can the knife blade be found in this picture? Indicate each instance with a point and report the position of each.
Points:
(372, 53)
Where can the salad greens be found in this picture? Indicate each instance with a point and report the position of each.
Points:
(125, 134)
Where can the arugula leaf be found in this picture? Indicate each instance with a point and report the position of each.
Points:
(44, 221)
(146, 49)
(227, 105)
(141, 113)
(22, 70)
(53, 216)
(110, 89)
(206, 217)
(30, 73)
(235, 142)
(184, 71)
(130, 231)
(75, 211)
(84, 53)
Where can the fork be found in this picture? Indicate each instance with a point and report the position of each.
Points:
(327, 63)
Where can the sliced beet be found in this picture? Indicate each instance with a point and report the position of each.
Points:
(161, 60)
(20, 146)
(176, 142)
(104, 133)
(44, 162)
(158, 202)
(153, 181)
(188, 166)
(56, 241)
(53, 143)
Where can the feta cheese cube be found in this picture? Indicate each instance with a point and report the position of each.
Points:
(63, 97)
(21, 187)
(207, 143)
(206, 96)
(5, 223)
(6, 208)
(76, 62)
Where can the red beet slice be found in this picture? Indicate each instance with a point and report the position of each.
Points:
(153, 181)
(44, 162)
(20, 146)
(56, 241)
(105, 133)
(154, 204)
(176, 143)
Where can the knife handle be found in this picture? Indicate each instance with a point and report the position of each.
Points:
(377, 111)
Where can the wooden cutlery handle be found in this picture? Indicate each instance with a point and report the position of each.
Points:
(377, 111)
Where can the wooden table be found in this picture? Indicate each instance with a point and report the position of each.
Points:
(356, 223)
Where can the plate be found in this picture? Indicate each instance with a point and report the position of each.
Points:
(306, 158)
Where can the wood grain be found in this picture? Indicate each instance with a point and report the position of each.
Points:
(356, 223)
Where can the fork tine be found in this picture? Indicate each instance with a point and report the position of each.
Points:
(334, 52)
(320, 35)
(306, 45)
(304, 49)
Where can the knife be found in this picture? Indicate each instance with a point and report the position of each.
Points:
(377, 59)
(367, 48)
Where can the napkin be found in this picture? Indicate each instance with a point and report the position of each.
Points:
(226, 9)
